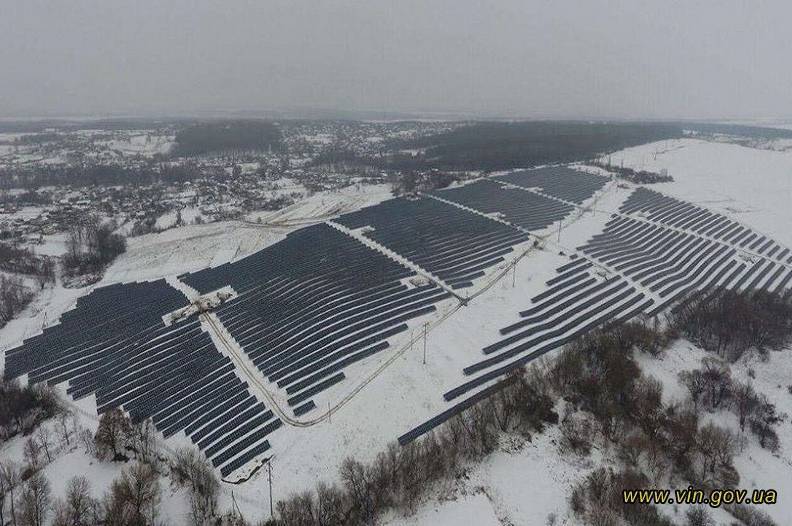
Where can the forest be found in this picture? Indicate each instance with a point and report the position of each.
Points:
(497, 146)
(220, 136)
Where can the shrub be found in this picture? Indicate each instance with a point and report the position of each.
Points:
(23, 408)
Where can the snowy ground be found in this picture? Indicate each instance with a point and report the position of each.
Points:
(750, 185)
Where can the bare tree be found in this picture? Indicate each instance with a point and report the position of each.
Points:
(43, 439)
(134, 497)
(10, 478)
(191, 471)
(744, 400)
(32, 453)
(67, 426)
(715, 448)
(78, 507)
(112, 433)
(695, 384)
(35, 501)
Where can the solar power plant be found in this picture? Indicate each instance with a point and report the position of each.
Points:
(660, 208)
(313, 304)
(656, 252)
(557, 181)
(455, 245)
(114, 345)
(524, 209)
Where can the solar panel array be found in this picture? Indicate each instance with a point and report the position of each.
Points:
(643, 260)
(453, 244)
(660, 208)
(702, 244)
(527, 210)
(558, 181)
(114, 345)
(658, 248)
(576, 301)
(313, 304)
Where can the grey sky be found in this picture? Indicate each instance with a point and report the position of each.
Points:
(520, 58)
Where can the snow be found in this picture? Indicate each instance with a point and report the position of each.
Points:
(469, 509)
(750, 185)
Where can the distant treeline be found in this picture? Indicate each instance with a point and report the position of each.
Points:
(97, 175)
(496, 146)
(634, 176)
(213, 137)
(740, 130)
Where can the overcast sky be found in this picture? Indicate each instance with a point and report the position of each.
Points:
(510, 58)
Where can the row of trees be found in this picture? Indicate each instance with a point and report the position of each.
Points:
(608, 397)
(26, 499)
(634, 176)
(145, 173)
(730, 323)
(401, 476)
(133, 498)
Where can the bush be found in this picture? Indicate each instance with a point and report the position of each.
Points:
(23, 408)
(577, 432)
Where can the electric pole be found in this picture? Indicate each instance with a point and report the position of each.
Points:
(514, 273)
(426, 324)
(269, 471)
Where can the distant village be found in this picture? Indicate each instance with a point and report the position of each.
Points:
(314, 157)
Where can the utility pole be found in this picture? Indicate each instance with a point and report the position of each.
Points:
(426, 324)
(269, 471)
(514, 273)
(559, 231)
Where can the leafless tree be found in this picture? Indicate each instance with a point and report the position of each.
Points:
(44, 441)
(134, 497)
(32, 453)
(112, 433)
(744, 401)
(35, 500)
(10, 479)
(193, 472)
(77, 508)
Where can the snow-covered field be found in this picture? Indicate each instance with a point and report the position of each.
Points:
(750, 185)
